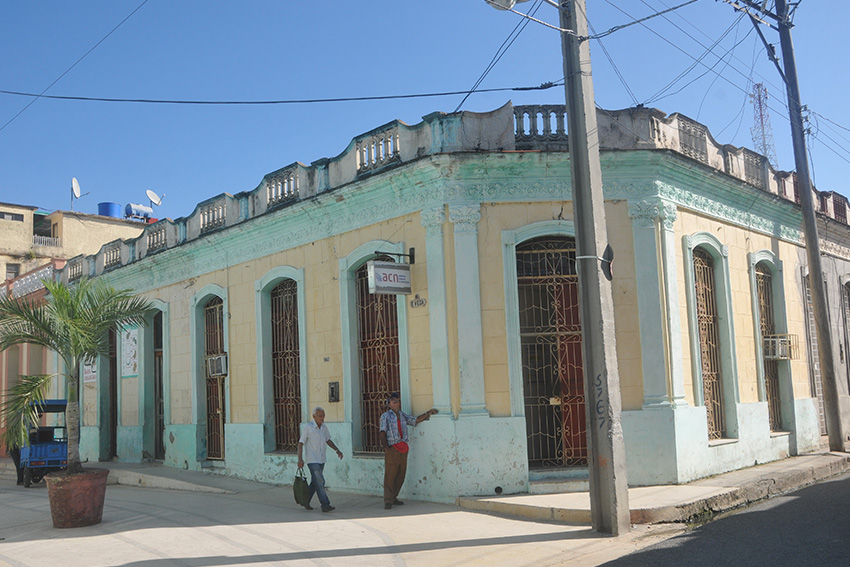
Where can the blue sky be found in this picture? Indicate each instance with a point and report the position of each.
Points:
(285, 50)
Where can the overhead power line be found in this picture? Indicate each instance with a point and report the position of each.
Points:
(41, 95)
(543, 86)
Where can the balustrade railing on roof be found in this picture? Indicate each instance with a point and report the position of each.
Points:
(75, 271)
(282, 187)
(754, 169)
(213, 215)
(157, 239)
(377, 150)
(692, 139)
(839, 208)
(541, 127)
(112, 257)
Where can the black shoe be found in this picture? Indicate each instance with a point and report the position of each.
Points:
(328, 509)
(20, 483)
(398, 502)
(307, 506)
(388, 506)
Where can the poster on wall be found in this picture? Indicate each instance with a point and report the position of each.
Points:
(89, 373)
(129, 353)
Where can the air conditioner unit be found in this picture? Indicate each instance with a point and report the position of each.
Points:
(217, 365)
(780, 347)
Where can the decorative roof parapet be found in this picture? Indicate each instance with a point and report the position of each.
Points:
(509, 128)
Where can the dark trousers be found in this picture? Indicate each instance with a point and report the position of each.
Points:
(395, 467)
(15, 453)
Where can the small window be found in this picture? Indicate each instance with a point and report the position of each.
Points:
(11, 216)
(12, 271)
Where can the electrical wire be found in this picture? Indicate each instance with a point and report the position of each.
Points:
(697, 61)
(509, 41)
(41, 95)
(543, 86)
(640, 21)
(611, 62)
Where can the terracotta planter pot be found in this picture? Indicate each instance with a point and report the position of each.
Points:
(76, 500)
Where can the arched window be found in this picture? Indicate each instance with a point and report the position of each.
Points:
(378, 355)
(709, 342)
(767, 326)
(214, 380)
(286, 365)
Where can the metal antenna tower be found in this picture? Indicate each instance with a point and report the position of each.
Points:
(761, 131)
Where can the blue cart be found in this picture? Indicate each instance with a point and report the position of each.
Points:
(48, 448)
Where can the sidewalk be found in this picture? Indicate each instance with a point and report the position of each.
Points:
(677, 503)
(649, 505)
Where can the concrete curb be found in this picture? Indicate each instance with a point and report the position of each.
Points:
(747, 493)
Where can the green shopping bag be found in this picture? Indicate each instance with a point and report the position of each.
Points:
(301, 488)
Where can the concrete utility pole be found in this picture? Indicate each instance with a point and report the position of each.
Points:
(606, 462)
(810, 228)
(609, 495)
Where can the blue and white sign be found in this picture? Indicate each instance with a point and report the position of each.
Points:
(388, 278)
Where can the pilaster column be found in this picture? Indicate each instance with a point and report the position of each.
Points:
(668, 214)
(470, 335)
(650, 301)
(432, 220)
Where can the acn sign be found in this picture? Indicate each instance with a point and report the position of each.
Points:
(388, 277)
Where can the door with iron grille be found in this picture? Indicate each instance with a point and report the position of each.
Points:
(158, 393)
(213, 347)
(709, 342)
(380, 375)
(552, 367)
(764, 287)
(286, 365)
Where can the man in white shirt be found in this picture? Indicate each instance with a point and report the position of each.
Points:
(311, 447)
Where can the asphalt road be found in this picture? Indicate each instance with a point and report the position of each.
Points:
(808, 527)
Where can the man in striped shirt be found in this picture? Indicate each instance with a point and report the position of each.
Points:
(394, 440)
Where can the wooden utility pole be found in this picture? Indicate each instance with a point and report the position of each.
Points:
(609, 495)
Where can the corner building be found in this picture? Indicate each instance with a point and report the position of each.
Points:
(263, 310)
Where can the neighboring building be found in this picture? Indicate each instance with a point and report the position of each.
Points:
(263, 310)
(30, 239)
(33, 245)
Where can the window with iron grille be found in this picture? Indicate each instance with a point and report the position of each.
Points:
(378, 349)
(286, 365)
(767, 326)
(709, 341)
(215, 395)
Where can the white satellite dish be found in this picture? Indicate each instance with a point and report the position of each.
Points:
(155, 199)
(75, 191)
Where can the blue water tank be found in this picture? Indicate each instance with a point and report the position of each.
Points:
(138, 211)
(109, 210)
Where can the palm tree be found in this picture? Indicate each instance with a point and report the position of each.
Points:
(74, 322)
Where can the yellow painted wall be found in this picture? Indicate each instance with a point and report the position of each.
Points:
(741, 242)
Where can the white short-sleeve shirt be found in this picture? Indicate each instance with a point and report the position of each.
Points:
(315, 440)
